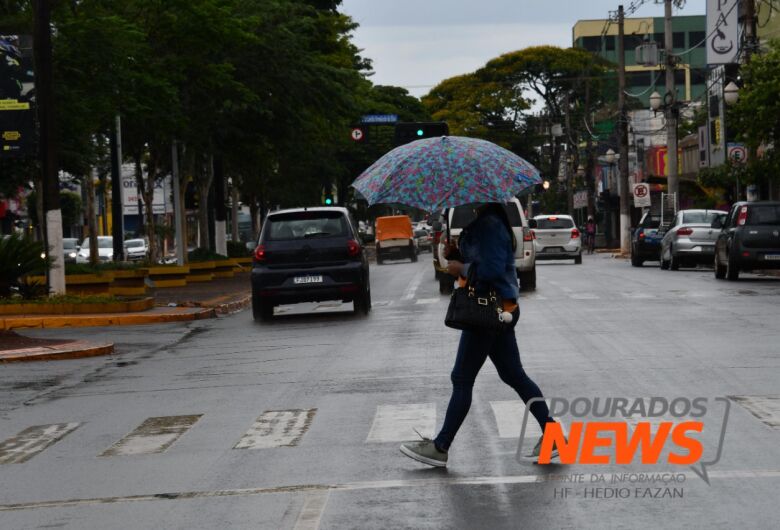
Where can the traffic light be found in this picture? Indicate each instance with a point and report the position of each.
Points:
(406, 132)
(328, 200)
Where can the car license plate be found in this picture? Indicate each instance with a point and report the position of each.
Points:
(395, 249)
(308, 279)
(772, 257)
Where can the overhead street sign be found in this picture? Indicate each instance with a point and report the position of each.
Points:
(379, 118)
(357, 134)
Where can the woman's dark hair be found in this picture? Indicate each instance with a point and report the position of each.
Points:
(498, 210)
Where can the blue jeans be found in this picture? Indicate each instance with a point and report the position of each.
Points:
(474, 348)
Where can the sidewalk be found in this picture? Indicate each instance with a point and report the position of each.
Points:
(174, 304)
(16, 348)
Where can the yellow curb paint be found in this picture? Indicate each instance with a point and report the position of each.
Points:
(79, 353)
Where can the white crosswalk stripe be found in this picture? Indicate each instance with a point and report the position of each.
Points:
(277, 428)
(154, 435)
(765, 408)
(397, 423)
(509, 420)
(427, 301)
(33, 440)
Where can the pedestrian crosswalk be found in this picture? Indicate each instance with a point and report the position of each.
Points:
(391, 423)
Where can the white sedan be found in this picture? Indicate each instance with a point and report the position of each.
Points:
(105, 250)
(557, 237)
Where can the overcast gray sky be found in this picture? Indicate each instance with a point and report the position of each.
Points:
(418, 43)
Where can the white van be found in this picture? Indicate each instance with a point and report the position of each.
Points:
(525, 255)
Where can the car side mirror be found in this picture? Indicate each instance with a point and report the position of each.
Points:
(718, 222)
(532, 223)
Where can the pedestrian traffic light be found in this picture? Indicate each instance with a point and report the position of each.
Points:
(406, 132)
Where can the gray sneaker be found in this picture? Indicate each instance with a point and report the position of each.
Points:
(425, 452)
(538, 449)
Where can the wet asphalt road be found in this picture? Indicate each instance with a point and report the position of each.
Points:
(295, 424)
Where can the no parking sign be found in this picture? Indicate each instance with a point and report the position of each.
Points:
(641, 195)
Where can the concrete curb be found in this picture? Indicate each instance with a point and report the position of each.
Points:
(72, 350)
(78, 321)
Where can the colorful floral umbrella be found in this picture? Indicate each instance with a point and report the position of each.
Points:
(445, 172)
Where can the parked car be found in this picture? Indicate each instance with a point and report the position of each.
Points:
(136, 249)
(748, 238)
(424, 240)
(105, 250)
(646, 240)
(394, 238)
(690, 240)
(525, 255)
(309, 255)
(70, 248)
(557, 237)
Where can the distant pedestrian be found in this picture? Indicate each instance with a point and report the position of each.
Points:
(590, 234)
(488, 244)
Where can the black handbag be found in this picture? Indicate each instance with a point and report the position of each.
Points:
(471, 310)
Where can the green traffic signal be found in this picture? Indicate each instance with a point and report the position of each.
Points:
(420, 132)
(328, 201)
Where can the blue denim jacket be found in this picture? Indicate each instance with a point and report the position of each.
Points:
(488, 243)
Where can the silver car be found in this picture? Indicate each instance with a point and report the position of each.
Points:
(136, 249)
(556, 237)
(690, 240)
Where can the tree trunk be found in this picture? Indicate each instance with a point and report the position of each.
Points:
(234, 211)
(149, 207)
(94, 257)
(205, 173)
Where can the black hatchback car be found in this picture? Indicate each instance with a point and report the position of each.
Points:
(309, 255)
(645, 240)
(749, 239)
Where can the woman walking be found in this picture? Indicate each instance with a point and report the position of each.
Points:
(488, 244)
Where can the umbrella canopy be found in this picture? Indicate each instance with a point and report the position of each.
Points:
(445, 172)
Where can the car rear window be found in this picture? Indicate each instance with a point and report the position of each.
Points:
(420, 233)
(463, 215)
(700, 217)
(554, 223)
(305, 225)
(651, 222)
(764, 215)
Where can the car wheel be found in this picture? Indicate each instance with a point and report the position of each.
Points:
(578, 259)
(664, 263)
(363, 302)
(720, 270)
(674, 262)
(262, 309)
(528, 280)
(446, 284)
(732, 269)
(414, 256)
(636, 261)
(378, 260)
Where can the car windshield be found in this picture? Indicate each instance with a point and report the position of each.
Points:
(420, 233)
(554, 223)
(764, 215)
(69, 244)
(651, 222)
(700, 217)
(305, 225)
(463, 215)
(103, 242)
(134, 243)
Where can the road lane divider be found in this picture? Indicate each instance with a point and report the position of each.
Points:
(313, 508)
(411, 290)
(397, 423)
(154, 435)
(33, 440)
(277, 428)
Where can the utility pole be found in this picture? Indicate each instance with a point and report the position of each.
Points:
(625, 212)
(178, 212)
(117, 213)
(220, 211)
(670, 101)
(48, 145)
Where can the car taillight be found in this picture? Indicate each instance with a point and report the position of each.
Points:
(260, 254)
(684, 231)
(528, 234)
(575, 233)
(353, 248)
(742, 219)
(641, 234)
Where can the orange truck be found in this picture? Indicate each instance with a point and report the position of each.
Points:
(394, 238)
